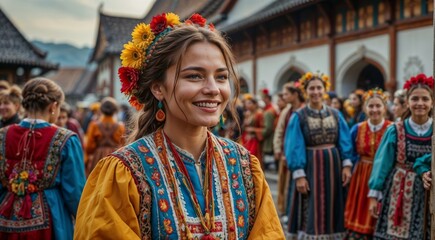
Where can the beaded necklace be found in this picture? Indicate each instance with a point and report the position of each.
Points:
(207, 218)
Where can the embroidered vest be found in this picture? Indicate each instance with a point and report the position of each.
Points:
(159, 215)
(24, 206)
(368, 141)
(318, 127)
(410, 147)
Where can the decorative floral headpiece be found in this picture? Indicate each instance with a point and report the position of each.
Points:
(420, 78)
(136, 53)
(308, 76)
(375, 92)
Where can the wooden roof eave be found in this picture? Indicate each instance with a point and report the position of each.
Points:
(263, 16)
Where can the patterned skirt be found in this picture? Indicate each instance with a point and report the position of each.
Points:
(320, 213)
(357, 215)
(402, 219)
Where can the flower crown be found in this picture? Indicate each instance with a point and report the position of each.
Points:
(308, 76)
(375, 92)
(419, 79)
(136, 53)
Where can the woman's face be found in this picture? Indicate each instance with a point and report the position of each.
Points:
(420, 102)
(354, 100)
(398, 109)
(315, 91)
(8, 109)
(287, 95)
(203, 88)
(281, 103)
(375, 109)
(335, 103)
(62, 119)
(250, 105)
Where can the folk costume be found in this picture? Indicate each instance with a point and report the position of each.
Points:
(278, 145)
(394, 182)
(42, 178)
(270, 121)
(152, 189)
(103, 137)
(317, 146)
(253, 140)
(366, 138)
(423, 164)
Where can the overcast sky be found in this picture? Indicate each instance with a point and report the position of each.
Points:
(67, 21)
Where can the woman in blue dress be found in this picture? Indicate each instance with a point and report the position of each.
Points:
(41, 169)
(318, 150)
(393, 182)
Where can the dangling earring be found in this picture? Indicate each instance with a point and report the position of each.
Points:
(221, 122)
(160, 114)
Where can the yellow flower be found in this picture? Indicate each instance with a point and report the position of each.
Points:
(172, 19)
(14, 187)
(142, 35)
(24, 175)
(132, 56)
(308, 75)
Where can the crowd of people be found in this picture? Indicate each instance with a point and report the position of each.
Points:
(190, 164)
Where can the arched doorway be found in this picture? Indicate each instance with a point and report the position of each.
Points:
(364, 74)
(244, 88)
(370, 77)
(291, 75)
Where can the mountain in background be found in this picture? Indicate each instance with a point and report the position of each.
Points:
(65, 54)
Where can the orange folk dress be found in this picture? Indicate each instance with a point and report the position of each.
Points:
(103, 137)
(366, 138)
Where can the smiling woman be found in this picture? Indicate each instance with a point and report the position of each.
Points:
(393, 183)
(176, 180)
(10, 104)
(318, 150)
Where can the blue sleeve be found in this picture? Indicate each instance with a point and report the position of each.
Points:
(385, 158)
(344, 142)
(72, 176)
(423, 164)
(353, 138)
(294, 144)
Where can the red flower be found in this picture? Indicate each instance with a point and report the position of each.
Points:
(129, 77)
(420, 78)
(198, 19)
(158, 24)
(211, 27)
(135, 103)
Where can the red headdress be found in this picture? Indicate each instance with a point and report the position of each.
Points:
(419, 79)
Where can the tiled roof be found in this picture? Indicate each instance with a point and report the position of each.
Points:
(67, 78)
(183, 8)
(16, 50)
(276, 8)
(115, 31)
(74, 81)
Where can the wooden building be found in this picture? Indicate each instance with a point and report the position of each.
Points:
(360, 44)
(20, 60)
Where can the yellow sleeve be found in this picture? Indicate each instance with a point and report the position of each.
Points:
(109, 204)
(266, 222)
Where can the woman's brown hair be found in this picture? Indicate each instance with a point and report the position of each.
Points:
(40, 92)
(11, 94)
(167, 52)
